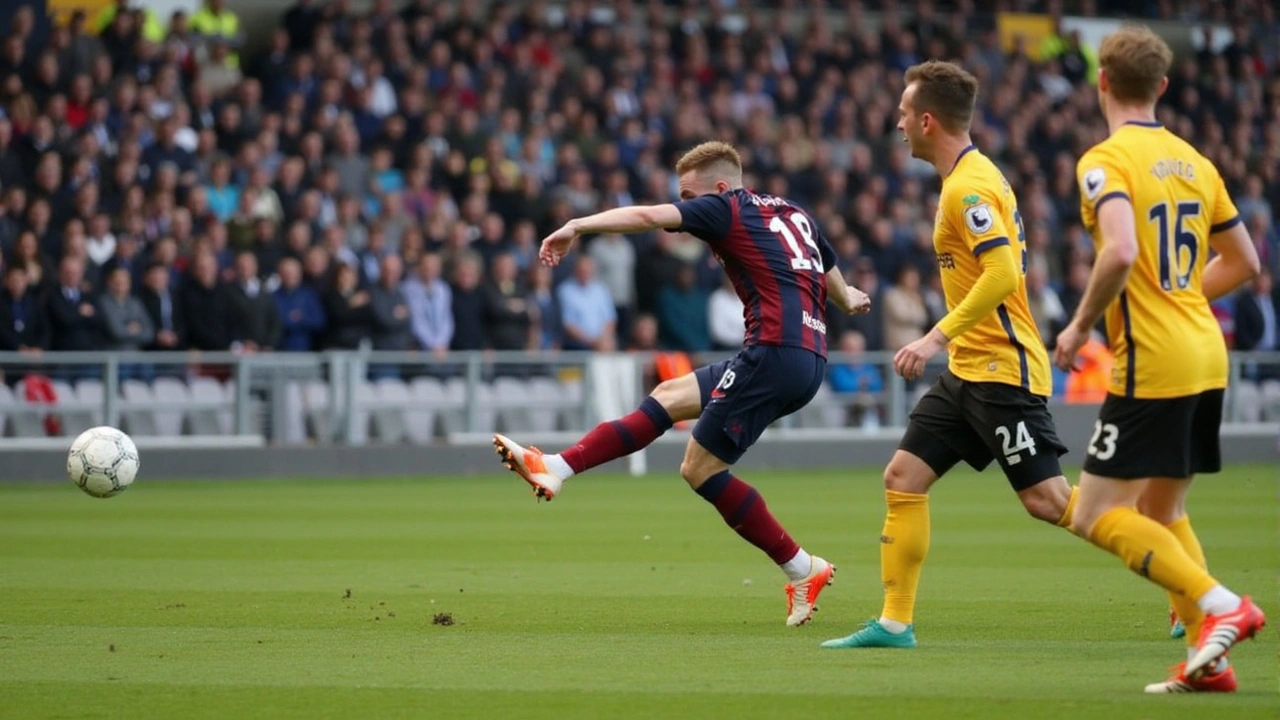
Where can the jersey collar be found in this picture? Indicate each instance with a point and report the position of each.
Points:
(1144, 123)
(960, 157)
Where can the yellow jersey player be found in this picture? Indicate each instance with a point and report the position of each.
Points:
(990, 403)
(1155, 207)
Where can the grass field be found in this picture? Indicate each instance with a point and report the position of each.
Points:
(625, 598)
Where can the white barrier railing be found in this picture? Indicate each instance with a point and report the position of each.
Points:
(461, 398)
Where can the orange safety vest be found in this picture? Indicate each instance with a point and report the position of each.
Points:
(671, 365)
(1089, 384)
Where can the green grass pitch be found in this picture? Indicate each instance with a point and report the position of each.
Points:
(624, 598)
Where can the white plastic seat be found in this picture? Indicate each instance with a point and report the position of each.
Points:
(171, 393)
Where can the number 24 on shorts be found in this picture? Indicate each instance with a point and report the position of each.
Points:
(1012, 444)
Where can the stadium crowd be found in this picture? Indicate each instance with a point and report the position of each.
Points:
(384, 179)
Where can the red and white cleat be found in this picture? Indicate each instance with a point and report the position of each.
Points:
(1221, 632)
(528, 464)
(802, 595)
(1219, 682)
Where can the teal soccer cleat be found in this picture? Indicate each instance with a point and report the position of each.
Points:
(873, 635)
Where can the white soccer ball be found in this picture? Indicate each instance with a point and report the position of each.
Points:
(102, 462)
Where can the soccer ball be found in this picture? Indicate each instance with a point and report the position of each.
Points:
(102, 462)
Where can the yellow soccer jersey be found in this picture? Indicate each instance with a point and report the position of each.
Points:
(1166, 340)
(978, 212)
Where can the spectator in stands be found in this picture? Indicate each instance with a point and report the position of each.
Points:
(391, 328)
(508, 315)
(127, 325)
(255, 320)
(905, 314)
(871, 324)
(469, 332)
(1046, 308)
(863, 382)
(644, 334)
(298, 305)
(1256, 314)
(587, 309)
(542, 295)
(22, 324)
(430, 302)
(615, 261)
(725, 317)
(205, 305)
(73, 320)
(27, 256)
(682, 314)
(348, 310)
(162, 307)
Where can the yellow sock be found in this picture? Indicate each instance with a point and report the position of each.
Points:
(1069, 513)
(1188, 612)
(904, 543)
(1151, 550)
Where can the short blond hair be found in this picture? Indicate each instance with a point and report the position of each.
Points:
(713, 155)
(944, 90)
(1136, 61)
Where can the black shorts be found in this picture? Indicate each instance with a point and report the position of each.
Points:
(978, 422)
(742, 396)
(1170, 437)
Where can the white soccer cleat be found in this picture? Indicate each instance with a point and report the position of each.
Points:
(528, 464)
(802, 595)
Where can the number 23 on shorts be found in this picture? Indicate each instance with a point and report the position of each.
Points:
(1103, 443)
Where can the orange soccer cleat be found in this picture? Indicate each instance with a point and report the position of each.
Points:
(1219, 682)
(1220, 633)
(528, 464)
(802, 595)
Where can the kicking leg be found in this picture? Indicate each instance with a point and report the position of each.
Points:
(672, 401)
(1107, 516)
(744, 510)
(1164, 500)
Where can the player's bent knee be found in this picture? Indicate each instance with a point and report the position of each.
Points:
(699, 464)
(680, 397)
(908, 475)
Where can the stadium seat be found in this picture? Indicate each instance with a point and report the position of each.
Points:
(426, 398)
(389, 400)
(170, 394)
(8, 404)
(1271, 400)
(1248, 401)
(27, 419)
(137, 413)
(315, 408)
(85, 405)
(211, 413)
(548, 401)
(825, 410)
(514, 402)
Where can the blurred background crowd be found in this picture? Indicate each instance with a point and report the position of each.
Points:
(384, 178)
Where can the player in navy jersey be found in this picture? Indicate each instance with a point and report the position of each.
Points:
(783, 270)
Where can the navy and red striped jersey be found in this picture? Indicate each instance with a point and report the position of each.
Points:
(776, 258)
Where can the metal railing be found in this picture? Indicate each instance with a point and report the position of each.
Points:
(356, 397)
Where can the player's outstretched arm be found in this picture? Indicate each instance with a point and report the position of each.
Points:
(632, 219)
(1236, 264)
(1110, 273)
(849, 299)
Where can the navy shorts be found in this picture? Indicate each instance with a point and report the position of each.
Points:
(743, 395)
